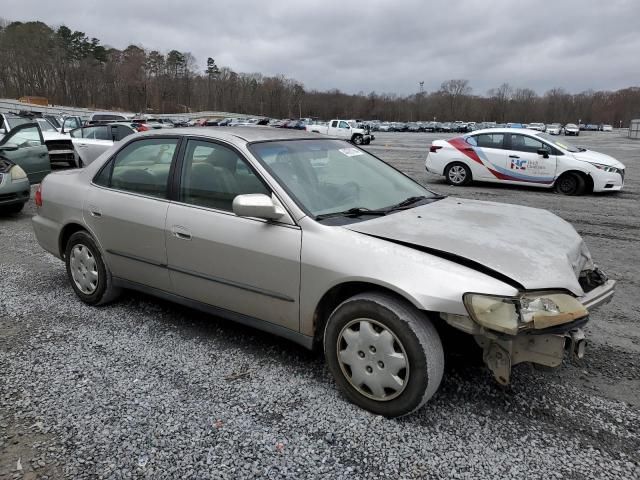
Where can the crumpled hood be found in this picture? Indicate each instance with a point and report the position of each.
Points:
(596, 157)
(533, 247)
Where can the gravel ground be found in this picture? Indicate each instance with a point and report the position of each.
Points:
(146, 389)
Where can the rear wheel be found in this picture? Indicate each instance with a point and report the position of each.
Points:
(384, 354)
(458, 174)
(87, 272)
(570, 184)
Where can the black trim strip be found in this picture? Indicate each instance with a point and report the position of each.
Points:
(466, 262)
(223, 281)
(231, 283)
(137, 259)
(284, 332)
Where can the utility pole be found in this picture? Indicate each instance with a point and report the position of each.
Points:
(420, 100)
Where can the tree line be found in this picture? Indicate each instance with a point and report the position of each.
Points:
(70, 68)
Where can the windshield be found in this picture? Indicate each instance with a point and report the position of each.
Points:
(45, 126)
(563, 144)
(330, 176)
(13, 122)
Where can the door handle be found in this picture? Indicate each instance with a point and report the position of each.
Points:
(181, 232)
(43, 154)
(469, 149)
(81, 145)
(94, 211)
(514, 156)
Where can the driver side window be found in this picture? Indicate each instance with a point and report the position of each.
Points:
(344, 125)
(524, 143)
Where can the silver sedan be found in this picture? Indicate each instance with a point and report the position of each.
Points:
(320, 242)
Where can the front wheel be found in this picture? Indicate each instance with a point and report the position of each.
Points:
(458, 174)
(570, 184)
(384, 354)
(357, 139)
(89, 275)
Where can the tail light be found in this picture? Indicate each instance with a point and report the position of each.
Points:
(38, 197)
(434, 148)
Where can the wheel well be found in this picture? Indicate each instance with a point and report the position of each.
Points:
(588, 181)
(334, 297)
(66, 233)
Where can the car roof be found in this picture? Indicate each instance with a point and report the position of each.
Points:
(248, 134)
(506, 130)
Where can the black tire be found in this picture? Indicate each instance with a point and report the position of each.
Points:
(357, 139)
(570, 184)
(11, 209)
(413, 335)
(104, 291)
(457, 174)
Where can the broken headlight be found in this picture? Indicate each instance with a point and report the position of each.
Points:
(533, 310)
(17, 173)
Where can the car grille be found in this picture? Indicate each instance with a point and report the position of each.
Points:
(60, 150)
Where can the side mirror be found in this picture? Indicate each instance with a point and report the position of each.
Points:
(544, 152)
(256, 205)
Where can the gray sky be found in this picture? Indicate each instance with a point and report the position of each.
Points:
(386, 46)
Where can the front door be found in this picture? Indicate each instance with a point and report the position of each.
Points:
(127, 207)
(525, 162)
(244, 265)
(25, 147)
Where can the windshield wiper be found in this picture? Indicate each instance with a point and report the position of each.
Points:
(359, 211)
(352, 212)
(407, 202)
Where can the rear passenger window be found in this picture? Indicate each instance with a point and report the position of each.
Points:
(141, 167)
(213, 175)
(489, 140)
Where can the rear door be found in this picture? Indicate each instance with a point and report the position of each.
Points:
(27, 149)
(126, 208)
(526, 165)
(490, 155)
(90, 142)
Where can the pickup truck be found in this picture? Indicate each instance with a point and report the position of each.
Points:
(345, 129)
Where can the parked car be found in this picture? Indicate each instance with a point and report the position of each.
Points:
(571, 129)
(347, 129)
(322, 243)
(554, 129)
(59, 145)
(24, 159)
(591, 127)
(102, 117)
(91, 141)
(527, 157)
(413, 127)
(537, 126)
(607, 128)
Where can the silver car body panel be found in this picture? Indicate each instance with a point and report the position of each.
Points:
(88, 149)
(272, 275)
(533, 247)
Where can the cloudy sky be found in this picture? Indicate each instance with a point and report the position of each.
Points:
(376, 45)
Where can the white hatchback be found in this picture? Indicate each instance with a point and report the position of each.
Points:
(525, 157)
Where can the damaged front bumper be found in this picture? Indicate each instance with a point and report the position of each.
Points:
(545, 346)
(500, 354)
